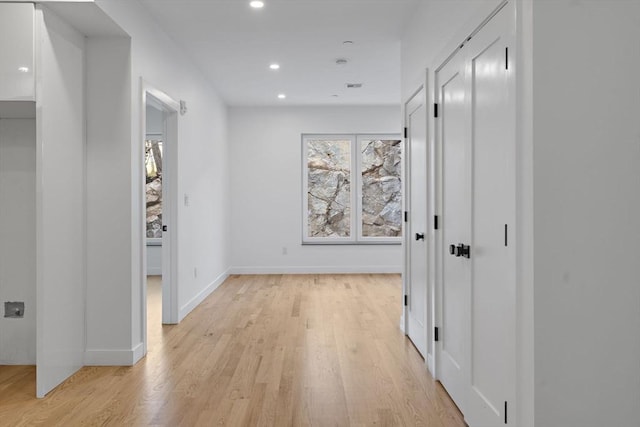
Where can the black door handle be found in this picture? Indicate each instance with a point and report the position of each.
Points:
(456, 250)
(463, 250)
(460, 250)
(419, 236)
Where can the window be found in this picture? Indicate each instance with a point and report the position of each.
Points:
(352, 189)
(153, 166)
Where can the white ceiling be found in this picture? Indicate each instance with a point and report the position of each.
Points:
(234, 45)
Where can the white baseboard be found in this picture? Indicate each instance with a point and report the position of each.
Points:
(21, 362)
(188, 307)
(431, 366)
(138, 353)
(351, 269)
(113, 357)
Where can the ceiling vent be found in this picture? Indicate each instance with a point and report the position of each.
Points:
(354, 85)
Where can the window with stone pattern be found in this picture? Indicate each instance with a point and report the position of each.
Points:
(352, 189)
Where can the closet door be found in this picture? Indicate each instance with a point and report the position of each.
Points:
(476, 133)
(492, 316)
(416, 227)
(456, 194)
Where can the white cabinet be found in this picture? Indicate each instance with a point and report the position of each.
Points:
(17, 52)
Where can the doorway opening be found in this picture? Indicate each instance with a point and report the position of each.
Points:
(153, 156)
(158, 203)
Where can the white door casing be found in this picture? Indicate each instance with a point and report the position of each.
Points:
(416, 226)
(169, 108)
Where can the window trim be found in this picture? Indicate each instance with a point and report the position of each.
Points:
(356, 182)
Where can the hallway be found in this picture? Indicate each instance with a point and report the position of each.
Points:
(261, 350)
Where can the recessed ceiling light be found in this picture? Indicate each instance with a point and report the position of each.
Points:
(341, 62)
(282, 96)
(347, 42)
(335, 96)
(354, 85)
(23, 69)
(274, 66)
(257, 4)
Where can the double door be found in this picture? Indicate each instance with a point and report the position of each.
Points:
(476, 138)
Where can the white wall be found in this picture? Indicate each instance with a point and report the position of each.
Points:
(203, 176)
(16, 45)
(109, 288)
(266, 188)
(18, 239)
(433, 32)
(154, 120)
(586, 112)
(154, 260)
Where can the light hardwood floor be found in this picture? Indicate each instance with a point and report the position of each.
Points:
(292, 350)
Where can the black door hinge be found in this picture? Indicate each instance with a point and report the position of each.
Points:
(406, 133)
(506, 58)
(435, 222)
(406, 300)
(506, 235)
(505, 413)
(436, 337)
(435, 110)
(406, 216)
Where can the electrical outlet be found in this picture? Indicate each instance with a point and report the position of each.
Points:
(186, 199)
(284, 250)
(14, 310)
(195, 272)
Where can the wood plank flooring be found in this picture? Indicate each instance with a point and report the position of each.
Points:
(276, 350)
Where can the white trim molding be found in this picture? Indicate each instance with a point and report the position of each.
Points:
(124, 357)
(352, 269)
(195, 301)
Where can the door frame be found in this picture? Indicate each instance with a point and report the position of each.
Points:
(170, 109)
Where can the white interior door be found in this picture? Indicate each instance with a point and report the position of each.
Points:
(416, 229)
(456, 193)
(477, 136)
(60, 202)
(492, 323)
(169, 211)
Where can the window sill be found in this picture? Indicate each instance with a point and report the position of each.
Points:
(334, 243)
